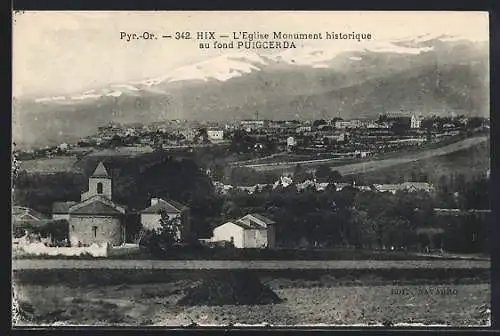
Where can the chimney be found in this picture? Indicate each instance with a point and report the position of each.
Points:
(154, 201)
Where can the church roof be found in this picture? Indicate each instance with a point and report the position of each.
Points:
(96, 208)
(100, 171)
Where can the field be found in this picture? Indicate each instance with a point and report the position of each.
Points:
(203, 253)
(81, 264)
(48, 166)
(371, 165)
(321, 298)
(471, 161)
(122, 151)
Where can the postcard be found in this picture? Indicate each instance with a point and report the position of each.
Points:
(250, 169)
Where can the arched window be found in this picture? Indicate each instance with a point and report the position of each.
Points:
(99, 188)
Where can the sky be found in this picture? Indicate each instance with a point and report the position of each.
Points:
(68, 52)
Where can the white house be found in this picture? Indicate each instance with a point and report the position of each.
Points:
(215, 134)
(405, 186)
(250, 231)
(415, 122)
(290, 141)
(150, 217)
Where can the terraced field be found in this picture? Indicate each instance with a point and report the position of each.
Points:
(370, 165)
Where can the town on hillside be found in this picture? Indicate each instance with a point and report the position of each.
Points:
(249, 208)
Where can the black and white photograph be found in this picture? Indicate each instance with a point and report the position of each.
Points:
(251, 169)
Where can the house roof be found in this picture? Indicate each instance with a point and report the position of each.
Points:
(96, 207)
(100, 171)
(169, 206)
(243, 225)
(62, 207)
(25, 213)
(256, 220)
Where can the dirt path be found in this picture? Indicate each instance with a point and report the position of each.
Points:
(250, 264)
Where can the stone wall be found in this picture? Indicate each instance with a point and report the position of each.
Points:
(109, 229)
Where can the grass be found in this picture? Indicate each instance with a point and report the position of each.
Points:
(104, 277)
(324, 300)
(470, 162)
(259, 254)
(47, 166)
(122, 151)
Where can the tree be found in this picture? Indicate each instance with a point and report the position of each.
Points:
(364, 229)
(400, 126)
(474, 122)
(165, 237)
(218, 172)
(320, 122)
(335, 176)
(299, 173)
(323, 172)
(116, 141)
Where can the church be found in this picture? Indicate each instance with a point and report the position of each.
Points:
(96, 218)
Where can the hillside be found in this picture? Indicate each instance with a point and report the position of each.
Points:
(430, 77)
(470, 162)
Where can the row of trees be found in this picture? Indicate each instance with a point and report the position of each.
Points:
(348, 217)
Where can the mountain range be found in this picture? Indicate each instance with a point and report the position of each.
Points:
(424, 75)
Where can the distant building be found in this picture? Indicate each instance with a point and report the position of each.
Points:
(63, 147)
(341, 124)
(188, 134)
(151, 216)
(253, 124)
(24, 214)
(405, 186)
(250, 231)
(341, 137)
(96, 218)
(215, 134)
(302, 129)
(24, 218)
(415, 121)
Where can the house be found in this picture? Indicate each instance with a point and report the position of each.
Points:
(96, 218)
(417, 186)
(342, 124)
(303, 129)
(215, 134)
(24, 214)
(151, 216)
(26, 221)
(250, 231)
(188, 134)
(405, 186)
(415, 122)
(24, 218)
(250, 125)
